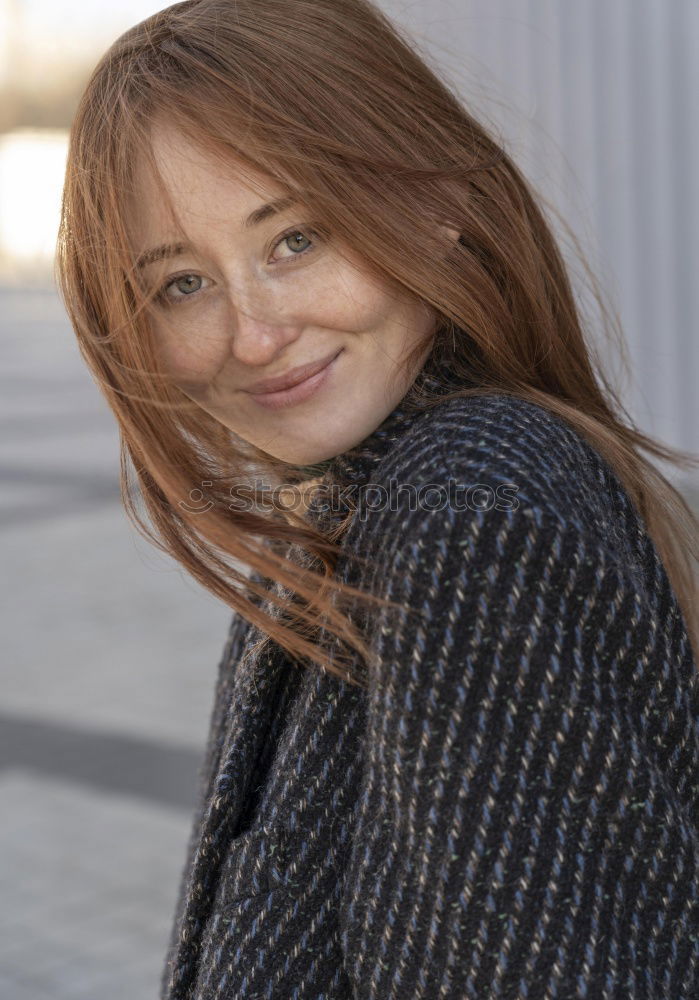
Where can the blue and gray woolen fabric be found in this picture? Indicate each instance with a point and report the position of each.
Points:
(511, 810)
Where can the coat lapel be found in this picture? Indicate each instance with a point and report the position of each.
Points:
(243, 715)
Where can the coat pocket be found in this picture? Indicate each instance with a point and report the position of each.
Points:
(255, 863)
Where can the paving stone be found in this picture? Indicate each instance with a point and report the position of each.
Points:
(93, 879)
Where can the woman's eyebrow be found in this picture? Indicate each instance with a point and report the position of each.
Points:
(259, 215)
(266, 211)
(159, 253)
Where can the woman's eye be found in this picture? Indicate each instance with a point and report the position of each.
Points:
(185, 286)
(188, 283)
(177, 289)
(293, 243)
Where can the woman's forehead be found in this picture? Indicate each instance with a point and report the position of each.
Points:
(177, 178)
(178, 159)
(183, 195)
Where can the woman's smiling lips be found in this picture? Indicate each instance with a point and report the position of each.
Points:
(296, 393)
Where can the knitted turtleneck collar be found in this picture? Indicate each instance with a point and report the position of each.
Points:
(355, 467)
(357, 464)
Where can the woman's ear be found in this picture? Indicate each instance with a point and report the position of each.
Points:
(452, 233)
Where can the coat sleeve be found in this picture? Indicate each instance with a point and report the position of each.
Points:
(495, 772)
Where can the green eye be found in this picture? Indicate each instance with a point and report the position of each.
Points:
(302, 235)
(298, 233)
(182, 287)
(184, 284)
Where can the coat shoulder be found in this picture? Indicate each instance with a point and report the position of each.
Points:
(484, 444)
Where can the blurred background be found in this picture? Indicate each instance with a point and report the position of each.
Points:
(110, 650)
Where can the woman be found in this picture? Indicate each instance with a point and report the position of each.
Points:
(454, 748)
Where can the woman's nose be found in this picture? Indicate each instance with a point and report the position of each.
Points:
(256, 341)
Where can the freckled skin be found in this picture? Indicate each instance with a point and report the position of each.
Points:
(256, 307)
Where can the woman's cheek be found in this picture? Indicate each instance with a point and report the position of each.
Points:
(192, 350)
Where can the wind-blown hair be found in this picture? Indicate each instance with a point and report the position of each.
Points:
(328, 98)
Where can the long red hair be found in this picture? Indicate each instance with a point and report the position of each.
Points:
(329, 98)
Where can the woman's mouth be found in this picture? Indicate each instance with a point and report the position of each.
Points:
(297, 393)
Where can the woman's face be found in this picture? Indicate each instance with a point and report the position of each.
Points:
(245, 301)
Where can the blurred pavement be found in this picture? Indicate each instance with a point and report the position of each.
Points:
(110, 655)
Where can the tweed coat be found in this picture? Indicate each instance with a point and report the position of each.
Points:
(511, 809)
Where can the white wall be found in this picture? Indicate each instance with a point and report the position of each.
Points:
(597, 101)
